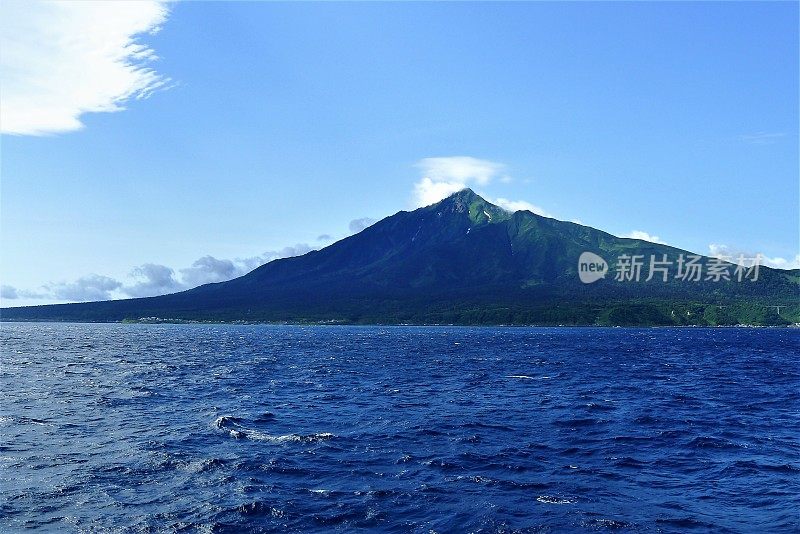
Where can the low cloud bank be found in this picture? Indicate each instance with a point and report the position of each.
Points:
(152, 279)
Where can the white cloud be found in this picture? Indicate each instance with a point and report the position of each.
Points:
(463, 169)
(154, 279)
(717, 250)
(151, 280)
(91, 287)
(644, 236)
(427, 191)
(209, 269)
(444, 176)
(62, 58)
(745, 257)
(517, 205)
(441, 177)
(12, 293)
(8, 292)
(248, 264)
(782, 263)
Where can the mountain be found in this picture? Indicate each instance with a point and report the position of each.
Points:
(466, 261)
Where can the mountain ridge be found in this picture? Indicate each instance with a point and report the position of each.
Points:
(461, 260)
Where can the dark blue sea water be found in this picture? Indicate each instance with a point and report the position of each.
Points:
(299, 429)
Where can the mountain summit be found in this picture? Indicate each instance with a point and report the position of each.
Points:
(464, 260)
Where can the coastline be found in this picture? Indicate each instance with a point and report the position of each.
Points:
(157, 321)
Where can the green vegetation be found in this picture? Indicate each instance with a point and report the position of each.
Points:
(460, 261)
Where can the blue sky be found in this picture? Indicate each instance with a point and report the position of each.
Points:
(268, 125)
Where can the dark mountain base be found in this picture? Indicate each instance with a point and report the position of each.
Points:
(645, 312)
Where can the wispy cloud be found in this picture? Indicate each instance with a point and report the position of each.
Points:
(62, 59)
(461, 169)
(762, 138)
(644, 236)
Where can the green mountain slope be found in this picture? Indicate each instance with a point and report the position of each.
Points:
(466, 261)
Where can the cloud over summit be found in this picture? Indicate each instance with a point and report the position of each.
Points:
(443, 176)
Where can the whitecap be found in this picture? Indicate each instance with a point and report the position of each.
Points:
(526, 377)
(549, 499)
(237, 431)
(298, 438)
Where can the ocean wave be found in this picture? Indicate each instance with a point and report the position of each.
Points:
(526, 377)
(549, 499)
(22, 420)
(607, 524)
(711, 442)
(207, 464)
(231, 424)
(460, 445)
(259, 508)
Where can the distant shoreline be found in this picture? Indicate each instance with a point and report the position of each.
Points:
(388, 325)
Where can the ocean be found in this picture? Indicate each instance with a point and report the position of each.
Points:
(257, 428)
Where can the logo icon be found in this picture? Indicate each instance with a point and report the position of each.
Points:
(591, 267)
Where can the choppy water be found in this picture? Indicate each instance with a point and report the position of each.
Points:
(265, 428)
